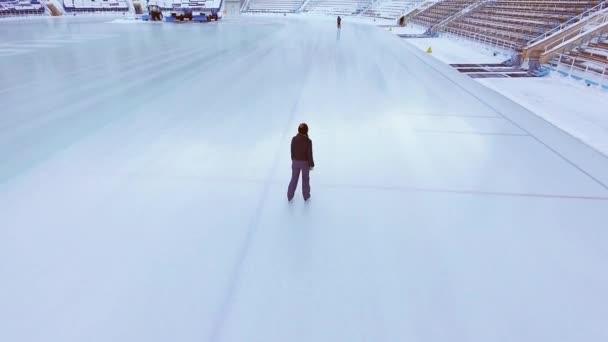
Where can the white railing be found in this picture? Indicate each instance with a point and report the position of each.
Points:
(371, 5)
(390, 9)
(500, 35)
(599, 21)
(567, 64)
(573, 21)
(489, 42)
(301, 8)
(245, 4)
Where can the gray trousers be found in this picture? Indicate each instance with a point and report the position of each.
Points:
(298, 166)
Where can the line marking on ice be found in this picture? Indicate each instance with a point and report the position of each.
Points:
(437, 131)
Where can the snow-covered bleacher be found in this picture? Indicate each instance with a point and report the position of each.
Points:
(95, 6)
(9, 8)
(337, 7)
(516, 22)
(390, 9)
(275, 6)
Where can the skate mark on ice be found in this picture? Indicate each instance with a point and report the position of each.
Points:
(233, 280)
(455, 115)
(460, 192)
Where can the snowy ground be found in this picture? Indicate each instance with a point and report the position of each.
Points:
(143, 174)
(452, 51)
(570, 105)
(409, 29)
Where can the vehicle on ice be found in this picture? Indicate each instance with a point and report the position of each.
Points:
(191, 10)
(156, 13)
(197, 10)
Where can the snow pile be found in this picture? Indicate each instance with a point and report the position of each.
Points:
(568, 104)
(453, 51)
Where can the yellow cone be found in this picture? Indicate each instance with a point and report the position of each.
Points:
(429, 50)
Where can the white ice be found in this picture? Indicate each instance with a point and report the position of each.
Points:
(572, 106)
(143, 173)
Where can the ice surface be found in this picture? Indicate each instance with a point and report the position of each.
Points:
(408, 29)
(143, 178)
(568, 104)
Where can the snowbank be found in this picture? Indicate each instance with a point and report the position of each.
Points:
(452, 51)
(568, 104)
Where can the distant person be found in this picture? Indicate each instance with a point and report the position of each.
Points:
(339, 22)
(301, 161)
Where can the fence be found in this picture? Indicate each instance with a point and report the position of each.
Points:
(602, 19)
(497, 44)
(603, 5)
(584, 69)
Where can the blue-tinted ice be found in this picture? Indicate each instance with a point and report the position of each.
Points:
(143, 175)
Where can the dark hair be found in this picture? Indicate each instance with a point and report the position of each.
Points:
(303, 129)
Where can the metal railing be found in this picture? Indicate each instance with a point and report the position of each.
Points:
(502, 43)
(509, 49)
(471, 7)
(374, 8)
(572, 21)
(568, 66)
(245, 5)
(598, 21)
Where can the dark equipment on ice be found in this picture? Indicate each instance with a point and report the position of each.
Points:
(402, 21)
(155, 13)
(200, 14)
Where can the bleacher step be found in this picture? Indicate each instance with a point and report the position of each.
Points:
(491, 70)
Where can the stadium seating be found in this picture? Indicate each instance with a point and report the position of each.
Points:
(440, 11)
(275, 6)
(337, 7)
(10, 8)
(515, 22)
(390, 9)
(95, 6)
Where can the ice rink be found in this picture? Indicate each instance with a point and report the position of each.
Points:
(143, 178)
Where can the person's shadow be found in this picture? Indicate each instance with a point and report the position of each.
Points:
(338, 34)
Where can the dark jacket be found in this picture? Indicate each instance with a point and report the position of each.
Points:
(301, 149)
